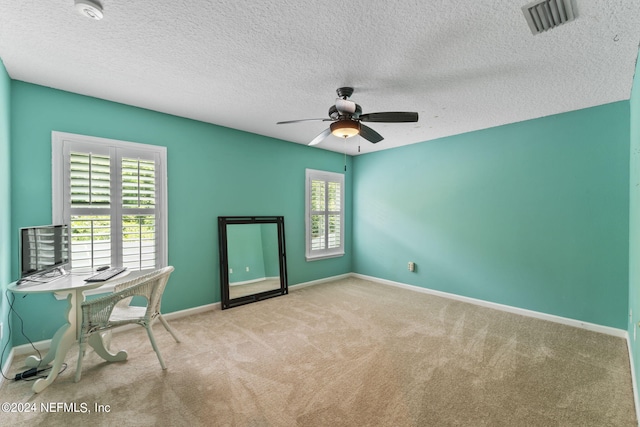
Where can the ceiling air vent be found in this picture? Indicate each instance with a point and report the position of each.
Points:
(546, 14)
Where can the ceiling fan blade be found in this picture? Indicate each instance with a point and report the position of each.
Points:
(390, 117)
(369, 134)
(304, 120)
(325, 133)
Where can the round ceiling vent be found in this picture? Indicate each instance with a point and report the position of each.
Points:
(89, 8)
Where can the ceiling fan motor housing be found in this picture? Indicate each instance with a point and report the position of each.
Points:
(344, 92)
(335, 113)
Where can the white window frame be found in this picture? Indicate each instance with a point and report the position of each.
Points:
(62, 143)
(318, 175)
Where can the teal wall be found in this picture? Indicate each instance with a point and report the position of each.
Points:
(5, 209)
(634, 221)
(212, 171)
(532, 214)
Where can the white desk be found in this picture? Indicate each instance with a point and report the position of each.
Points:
(72, 286)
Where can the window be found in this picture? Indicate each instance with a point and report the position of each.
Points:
(113, 196)
(324, 214)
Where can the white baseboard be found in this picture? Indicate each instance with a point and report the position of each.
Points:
(317, 282)
(259, 279)
(6, 366)
(620, 333)
(45, 344)
(191, 311)
(634, 383)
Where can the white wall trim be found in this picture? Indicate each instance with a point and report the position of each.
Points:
(63, 142)
(317, 282)
(7, 365)
(620, 333)
(191, 311)
(45, 344)
(259, 279)
(634, 384)
(327, 177)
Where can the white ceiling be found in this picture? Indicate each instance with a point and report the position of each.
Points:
(248, 64)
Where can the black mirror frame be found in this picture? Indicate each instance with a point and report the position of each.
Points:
(223, 221)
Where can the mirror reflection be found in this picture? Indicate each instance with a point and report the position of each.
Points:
(252, 259)
(252, 251)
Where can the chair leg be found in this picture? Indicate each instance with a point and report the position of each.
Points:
(155, 347)
(168, 328)
(83, 347)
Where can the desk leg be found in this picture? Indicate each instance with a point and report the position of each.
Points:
(35, 362)
(97, 342)
(62, 341)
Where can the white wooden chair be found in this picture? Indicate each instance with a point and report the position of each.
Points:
(111, 311)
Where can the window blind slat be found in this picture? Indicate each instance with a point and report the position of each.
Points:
(138, 183)
(138, 240)
(90, 180)
(90, 241)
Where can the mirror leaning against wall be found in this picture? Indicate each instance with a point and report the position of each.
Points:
(252, 259)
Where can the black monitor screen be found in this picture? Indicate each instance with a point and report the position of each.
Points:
(43, 248)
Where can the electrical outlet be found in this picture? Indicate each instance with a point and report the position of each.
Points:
(1, 330)
(412, 266)
(231, 271)
(247, 268)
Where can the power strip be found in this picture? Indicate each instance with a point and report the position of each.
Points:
(27, 374)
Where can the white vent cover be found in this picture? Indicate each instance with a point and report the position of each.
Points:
(543, 15)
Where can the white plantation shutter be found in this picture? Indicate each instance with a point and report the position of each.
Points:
(318, 220)
(139, 219)
(113, 195)
(334, 214)
(90, 176)
(138, 183)
(324, 214)
(90, 202)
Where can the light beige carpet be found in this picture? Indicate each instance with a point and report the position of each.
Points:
(348, 353)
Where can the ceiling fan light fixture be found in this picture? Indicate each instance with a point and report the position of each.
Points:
(345, 128)
(89, 8)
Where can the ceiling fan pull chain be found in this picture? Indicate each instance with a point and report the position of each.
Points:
(345, 154)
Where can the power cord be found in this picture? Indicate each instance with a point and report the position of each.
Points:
(29, 373)
(32, 374)
(12, 309)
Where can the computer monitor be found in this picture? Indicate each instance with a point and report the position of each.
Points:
(43, 249)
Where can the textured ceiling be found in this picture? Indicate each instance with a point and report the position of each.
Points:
(461, 65)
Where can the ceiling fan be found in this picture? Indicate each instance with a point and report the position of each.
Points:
(347, 116)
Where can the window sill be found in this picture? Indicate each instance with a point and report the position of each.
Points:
(324, 256)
